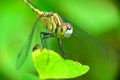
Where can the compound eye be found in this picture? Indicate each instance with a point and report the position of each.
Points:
(68, 32)
(68, 28)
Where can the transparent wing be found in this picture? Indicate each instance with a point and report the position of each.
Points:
(85, 48)
(83, 43)
(26, 49)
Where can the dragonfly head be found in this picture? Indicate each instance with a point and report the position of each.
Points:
(67, 30)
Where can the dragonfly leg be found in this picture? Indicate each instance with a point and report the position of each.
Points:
(61, 48)
(45, 36)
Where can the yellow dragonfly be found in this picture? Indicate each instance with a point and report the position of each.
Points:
(56, 26)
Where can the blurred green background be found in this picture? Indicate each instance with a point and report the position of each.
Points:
(99, 17)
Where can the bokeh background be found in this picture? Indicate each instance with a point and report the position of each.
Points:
(99, 17)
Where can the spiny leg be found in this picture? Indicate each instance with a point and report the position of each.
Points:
(45, 36)
(61, 48)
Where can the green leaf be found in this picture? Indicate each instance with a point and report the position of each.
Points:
(50, 65)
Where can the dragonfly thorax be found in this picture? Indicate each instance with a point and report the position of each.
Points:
(54, 23)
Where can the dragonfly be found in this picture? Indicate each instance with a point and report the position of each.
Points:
(65, 33)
